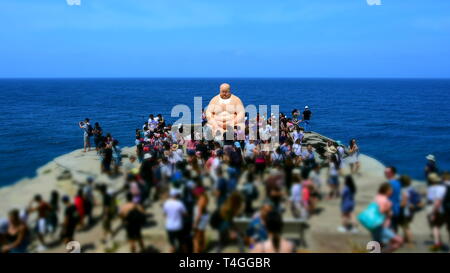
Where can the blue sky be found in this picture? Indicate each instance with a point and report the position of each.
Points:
(215, 38)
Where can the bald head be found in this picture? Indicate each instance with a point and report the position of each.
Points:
(225, 91)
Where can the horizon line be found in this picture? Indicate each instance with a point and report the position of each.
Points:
(221, 77)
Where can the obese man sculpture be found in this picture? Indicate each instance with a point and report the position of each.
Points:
(225, 111)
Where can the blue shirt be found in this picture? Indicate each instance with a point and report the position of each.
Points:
(396, 196)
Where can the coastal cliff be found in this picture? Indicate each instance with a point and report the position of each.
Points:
(64, 173)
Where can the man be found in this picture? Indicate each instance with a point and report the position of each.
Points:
(307, 119)
(88, 132)
(256, 231)
(71, 219)
(431, 166)
(174, 210)
(391, 174)
(133, 216)
(308, 156)
(225, 110)
(43, 210)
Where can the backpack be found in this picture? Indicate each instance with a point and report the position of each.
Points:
(371, 217)
(215, 219)
(90, 130)
(446, 200)
(415, 199)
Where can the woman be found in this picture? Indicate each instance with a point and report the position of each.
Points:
(227, 231)
(98, 135)
(275, 243)
(116, 155)
(17, 239)
(333, 176)
(353, 158)
(201, 218)
(348, 205)
(384, 234)
(435, 212)
(54, 205)
(406, 208)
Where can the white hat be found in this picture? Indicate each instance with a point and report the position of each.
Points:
(306, 107)
(147, 156)
(430, 157)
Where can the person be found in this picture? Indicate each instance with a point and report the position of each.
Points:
(221, 187)
(250, 193)
(431, 166)
(109, 210)
(384, 234)
(133, 216)
(130, 165)
(256, 231)
(87, 133)
(348, 205)
(407, 208)
(295, 118)
(89, 201)
(17, 234)
(315, 177)
(107, 155)
(201, 218)
(446, 200)
(98, 136)
(71, 220)
(275, 243)
(333, 176)
(174, 210)
(296, 197)
(227, 230)
(435, 211)
(116, 155)
(80, 204)
(353, 158)
(43, 210)
(225, 110)
(391, 174)
(306, 121)
(54, 210)
(308, 157)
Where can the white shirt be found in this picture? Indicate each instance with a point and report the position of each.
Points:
(296, 193)
(436, 192)
(174, 210)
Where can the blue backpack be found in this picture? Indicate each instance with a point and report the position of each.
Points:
(415, 199)
(371, 217)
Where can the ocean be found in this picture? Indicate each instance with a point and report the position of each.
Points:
(397, 121)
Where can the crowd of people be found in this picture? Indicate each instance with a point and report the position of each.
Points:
(205, 184)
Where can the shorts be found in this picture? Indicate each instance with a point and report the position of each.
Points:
(203, 223)
(87, 140)
(41, 226)
(383, 234)
(175, 236)
(333, 180)
(69, 232)
(133, 232)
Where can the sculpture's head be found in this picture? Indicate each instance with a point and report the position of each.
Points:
(225, 91)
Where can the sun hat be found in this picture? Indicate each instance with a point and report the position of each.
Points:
(174, 146)
(306, 107)
(331, 149)
(147, 156)
(434, 178)
(237, 144)
(430, 157)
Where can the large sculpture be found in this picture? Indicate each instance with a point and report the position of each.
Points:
(225, 111)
